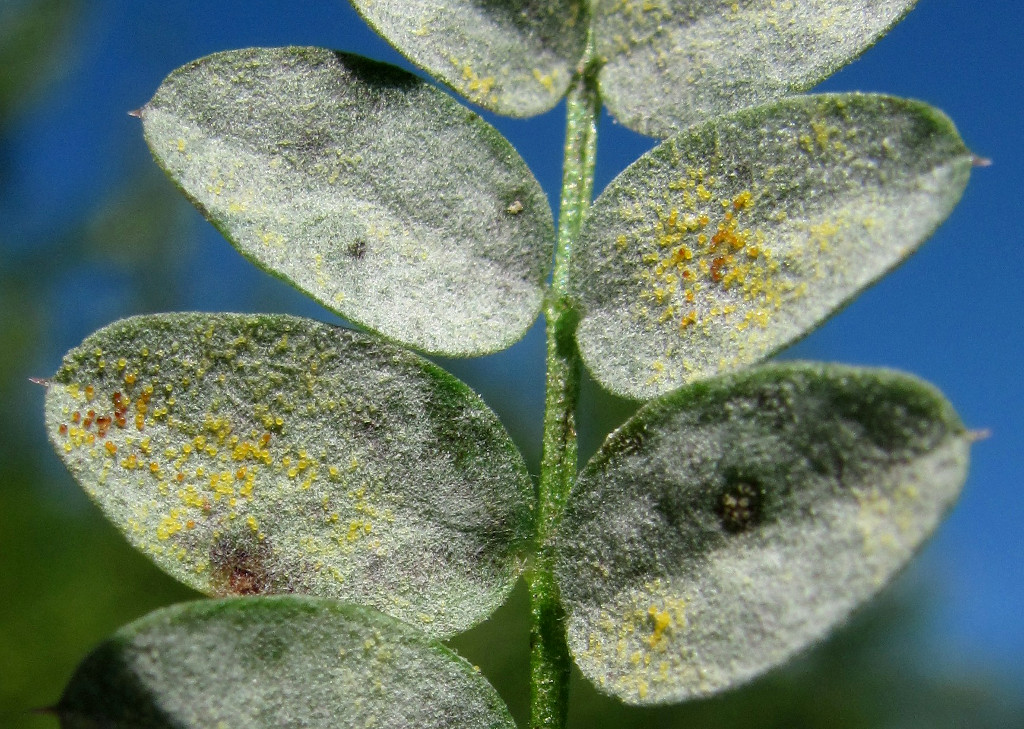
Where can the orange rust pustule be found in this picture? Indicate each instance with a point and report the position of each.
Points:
(717, 264)
(120, 409)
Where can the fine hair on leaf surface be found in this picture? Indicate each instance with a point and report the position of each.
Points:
(671, 63)
(346, 502)
(272, 662)
(270, 454)
(727, 525)
(738, 236)
(367, 188)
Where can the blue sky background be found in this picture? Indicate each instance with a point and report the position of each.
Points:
(951, 314)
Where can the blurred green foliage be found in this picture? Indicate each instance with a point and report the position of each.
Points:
(31, 32)
(68, 579)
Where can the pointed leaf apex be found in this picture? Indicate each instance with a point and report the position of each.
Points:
(975, 436)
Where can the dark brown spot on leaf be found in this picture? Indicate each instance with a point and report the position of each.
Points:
(357, 248)
(239, 566)
(739, 506)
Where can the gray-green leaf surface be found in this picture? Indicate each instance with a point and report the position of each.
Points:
(514, 57)
(729, 241)
(365, 187)
(671, 63)
(730, 524)
(272, 662)
(270, 454)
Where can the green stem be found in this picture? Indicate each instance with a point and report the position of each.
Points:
(549, 654)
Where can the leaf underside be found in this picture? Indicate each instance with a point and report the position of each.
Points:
(735, 238)
(732, 523)
(671, 63)
(373, 192)
(270, 454)
(282, 661)
(513, 57)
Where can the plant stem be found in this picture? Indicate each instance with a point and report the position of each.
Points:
(549, 654)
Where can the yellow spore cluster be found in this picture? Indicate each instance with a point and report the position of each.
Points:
(720, 259)
(889, 523)
(704, 264)
(638, 641)
(194, 476)
(476, 87)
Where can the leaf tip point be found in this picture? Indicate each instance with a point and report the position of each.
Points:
(975, 436)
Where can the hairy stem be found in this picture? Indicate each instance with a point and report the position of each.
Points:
(549, 654)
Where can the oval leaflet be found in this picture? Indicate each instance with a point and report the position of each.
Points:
(513, 57)
(271, 662)
(668, 64)
(730, 524)
(735, 238)
(362, 185)
(270, 454)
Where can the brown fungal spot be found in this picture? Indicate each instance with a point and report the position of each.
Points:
(739, 506)
(242, 581)
(239, 566)
(357, 248)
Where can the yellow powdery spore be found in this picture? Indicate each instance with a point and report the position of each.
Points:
(662, 620)
(888, 521)
(196, 463)
(547, 80)
(636, 644)
(723, 266)
(705, 262)
(476, 87)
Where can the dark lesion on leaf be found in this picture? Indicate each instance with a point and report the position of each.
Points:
(239, 566)
(356, 249)
(740, 505)
(743, 175)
